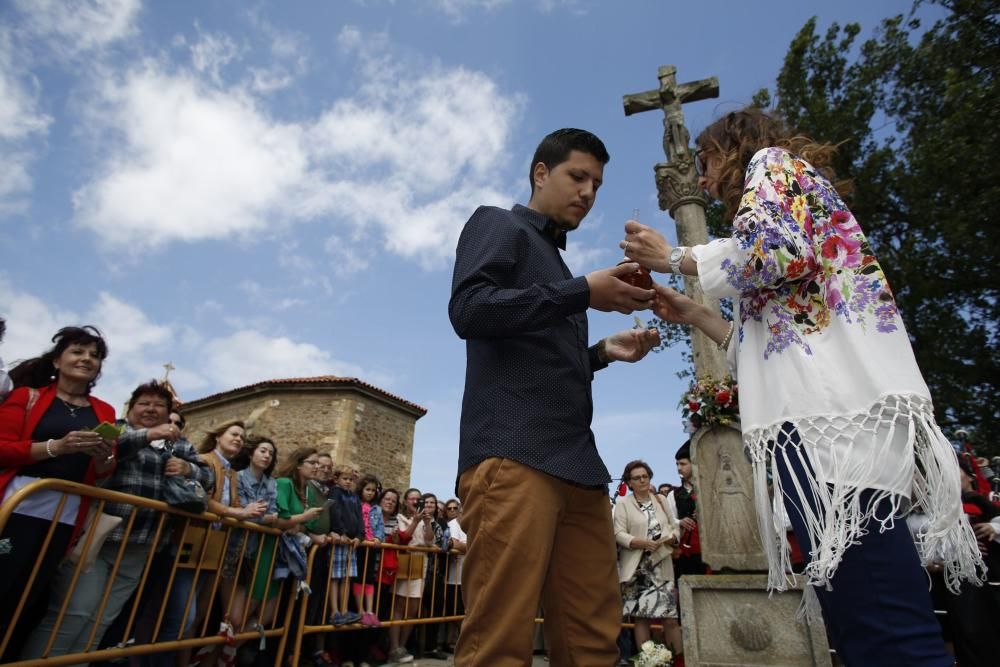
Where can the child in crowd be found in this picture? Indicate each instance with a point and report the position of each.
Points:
(369, 490)
(346, 523)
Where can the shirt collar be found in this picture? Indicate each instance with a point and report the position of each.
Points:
(222, 458)
(549, 229)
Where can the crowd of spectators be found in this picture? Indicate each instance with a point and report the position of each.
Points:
(47, 420)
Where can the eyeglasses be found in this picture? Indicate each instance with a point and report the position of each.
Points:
(699, 163)
(307, 462)
(639, 478)
(452, 508)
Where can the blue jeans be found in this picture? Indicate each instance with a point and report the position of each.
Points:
(879, 611)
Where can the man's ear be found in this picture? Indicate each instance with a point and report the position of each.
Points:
(539, 174)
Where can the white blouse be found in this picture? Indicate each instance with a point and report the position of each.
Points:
(821, 347)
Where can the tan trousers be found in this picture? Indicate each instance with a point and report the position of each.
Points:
(535, 537)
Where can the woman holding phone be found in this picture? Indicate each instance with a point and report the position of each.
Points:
(46, 432)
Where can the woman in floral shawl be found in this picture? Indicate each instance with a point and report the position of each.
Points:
(832, 405)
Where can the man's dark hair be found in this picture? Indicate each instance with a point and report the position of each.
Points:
(555, 148)
(684, 452)
(156, 389)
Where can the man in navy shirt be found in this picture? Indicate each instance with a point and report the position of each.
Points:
(533, 486)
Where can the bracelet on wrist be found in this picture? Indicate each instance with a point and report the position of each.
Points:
(724, 345)
(48, 448)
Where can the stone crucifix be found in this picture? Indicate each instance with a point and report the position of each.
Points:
(677, 184)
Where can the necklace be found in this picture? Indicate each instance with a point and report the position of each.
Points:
(72, 408)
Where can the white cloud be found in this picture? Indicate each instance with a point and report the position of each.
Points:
(246, 357)
(407, 157)
(582, 260)
(211, 52)
(139, 346)
(196, 163)
(72, 27)
(21, 120)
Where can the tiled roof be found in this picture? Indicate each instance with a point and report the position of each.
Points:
(317, 380)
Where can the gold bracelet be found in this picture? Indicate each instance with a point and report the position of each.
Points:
(729, 336)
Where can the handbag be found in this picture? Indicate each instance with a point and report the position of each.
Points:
(411, 565)
(101, 525)
(182, 492)
(185, 494)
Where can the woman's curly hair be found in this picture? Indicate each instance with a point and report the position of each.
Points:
(735, 139)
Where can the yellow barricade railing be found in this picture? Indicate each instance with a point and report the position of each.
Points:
(194, 550)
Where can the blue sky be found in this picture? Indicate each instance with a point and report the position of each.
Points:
(254, 190)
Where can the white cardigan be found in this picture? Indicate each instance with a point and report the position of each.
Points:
(630, 522)
(821, 346)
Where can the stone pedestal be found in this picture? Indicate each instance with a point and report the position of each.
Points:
(727, 517)
(730, 620)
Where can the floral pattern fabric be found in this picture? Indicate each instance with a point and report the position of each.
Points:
(805, 259)
(648, 594)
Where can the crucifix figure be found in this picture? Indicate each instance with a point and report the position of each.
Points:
(677, 185)
(167, 368)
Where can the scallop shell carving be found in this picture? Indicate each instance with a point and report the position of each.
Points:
(749, 630)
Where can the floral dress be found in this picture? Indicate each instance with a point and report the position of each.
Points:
(648, 594)
(826, 372)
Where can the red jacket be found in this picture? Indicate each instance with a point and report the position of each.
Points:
(16, 428)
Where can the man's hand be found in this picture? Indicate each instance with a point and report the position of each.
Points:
(631, 345)
(609, 293)
(985, 531)
(688, 523)
(647, 246)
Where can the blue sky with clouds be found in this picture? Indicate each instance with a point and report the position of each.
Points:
(254, 190)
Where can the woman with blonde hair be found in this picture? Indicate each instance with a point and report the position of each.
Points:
(833, 407)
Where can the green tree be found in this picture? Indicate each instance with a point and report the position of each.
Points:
(917, 117)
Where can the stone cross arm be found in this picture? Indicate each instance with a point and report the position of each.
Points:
(659, 99)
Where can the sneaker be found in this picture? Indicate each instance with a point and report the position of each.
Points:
(351, 617)
(337, 619)
(322, 659)
(370, 620)
(400, 656)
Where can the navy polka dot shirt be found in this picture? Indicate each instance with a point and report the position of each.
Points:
(524, 319)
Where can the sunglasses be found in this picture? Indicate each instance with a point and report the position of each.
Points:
(699, 163)
(452, 508)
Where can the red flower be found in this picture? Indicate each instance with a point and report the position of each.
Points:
(694, 406)
(723, 397)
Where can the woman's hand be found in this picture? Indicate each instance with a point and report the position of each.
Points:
(163, 432)
(321, 540)
(83, 442)
(647, 246)
(672, 306)
(175, 467)
(252, 511)
(644, 545)
(310, 514)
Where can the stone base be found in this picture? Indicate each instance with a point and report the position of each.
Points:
(729, 620)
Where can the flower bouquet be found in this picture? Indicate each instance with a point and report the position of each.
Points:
(709, 402)
(652, 654)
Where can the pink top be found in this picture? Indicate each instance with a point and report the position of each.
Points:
(366, 512)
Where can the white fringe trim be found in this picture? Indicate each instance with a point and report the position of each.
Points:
(851, 453)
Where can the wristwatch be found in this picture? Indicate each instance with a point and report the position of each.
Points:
(676, 257)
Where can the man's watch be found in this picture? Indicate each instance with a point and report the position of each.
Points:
(676, 257)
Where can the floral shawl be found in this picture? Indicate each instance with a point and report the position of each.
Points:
(821, 349)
